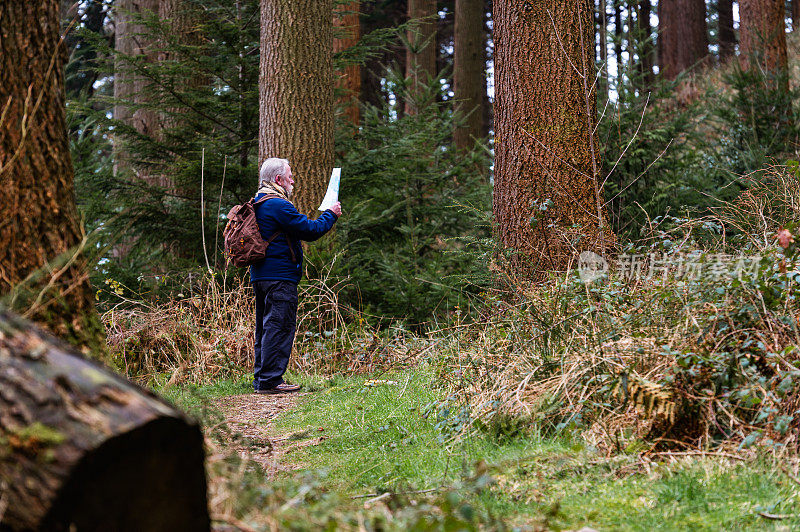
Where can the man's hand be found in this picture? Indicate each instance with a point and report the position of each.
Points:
(337, 209)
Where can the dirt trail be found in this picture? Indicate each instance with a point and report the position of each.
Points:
(251, 416)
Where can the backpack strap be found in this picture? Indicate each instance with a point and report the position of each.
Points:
(265, 198)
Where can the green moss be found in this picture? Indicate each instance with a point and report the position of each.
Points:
(39, 434)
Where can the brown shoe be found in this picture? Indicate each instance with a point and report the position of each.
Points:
(281, 388)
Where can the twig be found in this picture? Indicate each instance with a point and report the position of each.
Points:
(789, 474)
(699, 453)
(775, 517)
(203, 207)
(235, 522)
(386, 494)
(219, 207)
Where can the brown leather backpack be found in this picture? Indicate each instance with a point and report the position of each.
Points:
(243, 242)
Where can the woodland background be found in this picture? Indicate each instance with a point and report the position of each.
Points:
(484, 146)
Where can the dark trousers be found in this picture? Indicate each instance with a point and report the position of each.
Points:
(276, 321)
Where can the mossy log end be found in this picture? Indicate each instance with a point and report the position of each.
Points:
(82, 448)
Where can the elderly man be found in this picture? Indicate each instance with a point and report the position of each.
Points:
(275, 278)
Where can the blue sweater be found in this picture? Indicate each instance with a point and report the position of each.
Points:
(280, 215)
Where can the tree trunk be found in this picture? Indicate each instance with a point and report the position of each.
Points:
(618, 36)
(421, 51)
(727, 35)
(84, 449)
(42, 269)
(377, 16)
(132, 39)
(347, 28)
(602, 25)
(795, 14)
(546, 146)
(469, 71)
(296, 93)
(646, 43)
(762, 35)
(682, 35)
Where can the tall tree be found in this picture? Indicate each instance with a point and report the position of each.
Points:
(645, 40)
(547, 189)
(602, 37)
(377, 15)
(762, 35)
(469, 70)
(682, 35)
(132, 40)
(726, 34)
(795, 14)
(296, 92)
(421, 50)
(347, 32)
(40, 259)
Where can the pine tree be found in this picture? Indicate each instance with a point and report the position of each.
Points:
(42, 270)
(726, 34)
(421, 50)
(762, 36)
(682, 35)
(296, 87)
(547, 188)
(469, 71)
(795, 14)
(132, 40)
(347, 32)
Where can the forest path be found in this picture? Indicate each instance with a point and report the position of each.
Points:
(252, 416)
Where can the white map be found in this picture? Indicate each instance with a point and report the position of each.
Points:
(332, 195)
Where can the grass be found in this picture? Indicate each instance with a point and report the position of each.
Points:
(379, 439)
(389, 437)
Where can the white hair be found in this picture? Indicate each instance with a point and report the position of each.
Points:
(271, 169)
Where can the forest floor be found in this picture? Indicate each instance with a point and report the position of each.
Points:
(364, 441)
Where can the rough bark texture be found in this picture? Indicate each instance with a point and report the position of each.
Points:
(469, 71)
(421, 51)
(795, 14)
(646, 51)
(296, 93)
(347, 32)
(682, 35)
(602, 36)
(130, 88)
(544, 118)
(762, 35)
(376, 16)
(84, 449)
(39, 224)
(727, 35)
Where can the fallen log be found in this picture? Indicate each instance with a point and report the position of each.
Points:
(82, 448)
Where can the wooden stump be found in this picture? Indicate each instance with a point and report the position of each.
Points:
(82, 447)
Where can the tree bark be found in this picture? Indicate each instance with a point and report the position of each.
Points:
(646, 50)
(727, 35)
(545, 144)
(762, 36)
(376, 16)
(296, 93)
(421, 51)
(42, 269)
(602, 26)
(347, 28)
(619, 33)
(133, 39)
(682, 36)
(81, 448)
(469, 71)
(795, 14)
